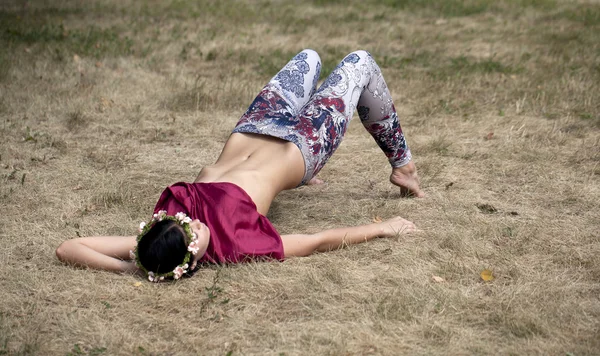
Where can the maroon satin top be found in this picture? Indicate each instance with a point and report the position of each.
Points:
(238, 232)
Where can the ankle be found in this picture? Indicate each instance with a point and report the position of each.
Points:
(407, 169)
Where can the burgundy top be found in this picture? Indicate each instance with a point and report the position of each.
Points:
(237, 230)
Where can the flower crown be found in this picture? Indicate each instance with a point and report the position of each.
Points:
(192, 249)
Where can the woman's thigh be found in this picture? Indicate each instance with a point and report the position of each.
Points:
(323, 121)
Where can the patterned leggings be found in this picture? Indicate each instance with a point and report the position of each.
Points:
(291, 108)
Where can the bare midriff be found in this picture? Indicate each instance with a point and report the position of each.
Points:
(261, 165)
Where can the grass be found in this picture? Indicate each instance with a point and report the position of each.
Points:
(103, 104)
(91, 41)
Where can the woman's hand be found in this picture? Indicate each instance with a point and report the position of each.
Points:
(396, 226)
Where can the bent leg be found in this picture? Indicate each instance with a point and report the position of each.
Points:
(356, 81)
(378, 115)
(279, 102)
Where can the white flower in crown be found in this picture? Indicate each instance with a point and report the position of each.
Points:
(131, 255)
(142, 225)
(151, 277)
(180, 216)
(193, 247)
(186, 220)
(179, 271)
(159, 215)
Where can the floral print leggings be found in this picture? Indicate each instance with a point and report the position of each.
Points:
(291, 108)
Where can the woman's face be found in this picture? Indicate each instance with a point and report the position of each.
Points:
(203, 234)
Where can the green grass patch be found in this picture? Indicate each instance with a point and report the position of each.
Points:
(4, 64)
(271, 62)
(209, 11)
(462, 65)
(589, 117)
(91, 41)
(462, 8)
(417, 59)
(78, 350)
(588, 15)
(46, 29)
(446, 8)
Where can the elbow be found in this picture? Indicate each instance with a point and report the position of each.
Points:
(61, 251)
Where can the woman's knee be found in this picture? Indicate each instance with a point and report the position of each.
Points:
(311, 56)
(356, 56)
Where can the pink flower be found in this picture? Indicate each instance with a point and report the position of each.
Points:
(131, 255)
(180, 216)
(178, 272)
(193, 247)
(159, 215)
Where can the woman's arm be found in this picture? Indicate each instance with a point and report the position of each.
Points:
(110, 253)
(304, 245)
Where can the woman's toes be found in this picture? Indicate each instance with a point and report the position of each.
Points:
(315, 181)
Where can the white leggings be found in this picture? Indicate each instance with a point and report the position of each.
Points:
(291, 108)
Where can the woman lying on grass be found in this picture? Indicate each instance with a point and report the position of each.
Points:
(281, 142)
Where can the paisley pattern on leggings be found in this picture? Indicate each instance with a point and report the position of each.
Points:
(291, 77)
(291, 108)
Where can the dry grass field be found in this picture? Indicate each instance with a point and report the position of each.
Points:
(105, 103)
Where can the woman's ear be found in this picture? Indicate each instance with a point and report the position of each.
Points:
(203, 234)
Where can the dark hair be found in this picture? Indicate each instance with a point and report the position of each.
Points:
(163, 247)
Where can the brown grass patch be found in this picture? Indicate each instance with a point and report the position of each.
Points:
(103, 104)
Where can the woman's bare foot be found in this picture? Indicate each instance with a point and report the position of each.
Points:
(406, 178)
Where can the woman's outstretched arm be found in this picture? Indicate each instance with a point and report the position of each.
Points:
(109, 253)
(306, 244)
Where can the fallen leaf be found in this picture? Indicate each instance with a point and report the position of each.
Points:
(437, 279)
(27, 50)
(76, 58)
(486, 208)
(489, 136)
(448, 185)
(98, 64)
(377, 219)
(137, 284)
(104, 104)
(487, 275)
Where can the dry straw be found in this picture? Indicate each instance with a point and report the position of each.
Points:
(103, 104)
